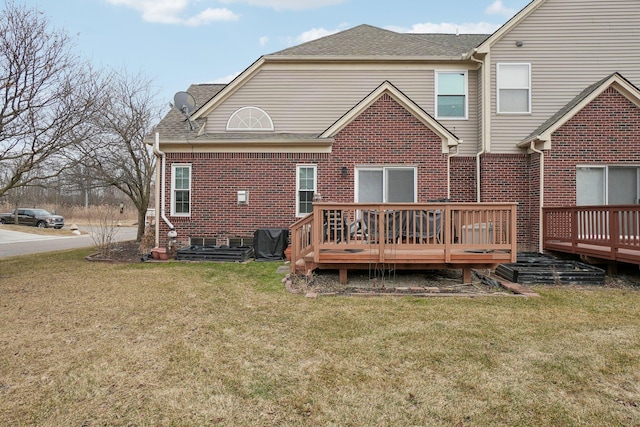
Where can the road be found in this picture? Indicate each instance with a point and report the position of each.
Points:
(13, 243)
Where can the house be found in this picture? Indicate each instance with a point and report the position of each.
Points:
(543, 112)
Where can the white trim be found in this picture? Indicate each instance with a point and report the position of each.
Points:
(173, 189)
(616, 81)
(465, 75)
(448, 139)
(528, 88)
(486, 45)
(315, 185)
(228, 90)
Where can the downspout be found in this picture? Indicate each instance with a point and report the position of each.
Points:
(161, 200)
(449, 156)
(532, 147)
(483, 124)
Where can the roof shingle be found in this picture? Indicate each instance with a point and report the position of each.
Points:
(366, 40)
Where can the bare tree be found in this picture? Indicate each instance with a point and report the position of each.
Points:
(48, 99)
(119, 155)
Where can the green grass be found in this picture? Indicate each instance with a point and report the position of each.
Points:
(184, 344)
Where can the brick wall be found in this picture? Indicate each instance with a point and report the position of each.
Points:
(605, 132)
(506, 178)
(384, 134)
(463, 179)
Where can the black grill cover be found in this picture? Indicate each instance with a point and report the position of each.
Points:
(269, 243)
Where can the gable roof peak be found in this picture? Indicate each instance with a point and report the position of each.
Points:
(369, 41)
(387, 88)
(616, 80)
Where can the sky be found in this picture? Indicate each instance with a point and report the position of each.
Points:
(176, 43)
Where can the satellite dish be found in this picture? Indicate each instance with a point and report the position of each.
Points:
(184, 102)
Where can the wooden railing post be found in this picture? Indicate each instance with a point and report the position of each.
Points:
(574, 228)
(614, 229)
(448, 224)
(382, 232)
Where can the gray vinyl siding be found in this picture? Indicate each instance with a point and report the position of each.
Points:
(304, 100)
(570, 44)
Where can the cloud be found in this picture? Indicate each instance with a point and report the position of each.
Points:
(288, 4)
(173, 11)
(314, 33)
(448, 28)
(307, 36)
(264, 40)
(498, 8)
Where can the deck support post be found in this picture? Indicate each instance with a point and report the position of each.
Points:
(343, 276)
(466, 275)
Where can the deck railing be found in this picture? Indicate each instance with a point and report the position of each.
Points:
(421, 230)
(609, 232)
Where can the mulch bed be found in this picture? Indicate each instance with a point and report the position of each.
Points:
(124, 252)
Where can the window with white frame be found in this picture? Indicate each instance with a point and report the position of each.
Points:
(250, 119)
(386, 184)
(306, 182)
(451, 94)
(513, 88)
(607, 185)
(181, 189)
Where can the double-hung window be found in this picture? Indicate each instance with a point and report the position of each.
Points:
(514, 88)
(392, 184)
(305, 188)
(181, 189)
(451, 96)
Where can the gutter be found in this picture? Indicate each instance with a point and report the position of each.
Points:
(449, 170)
(161, 200)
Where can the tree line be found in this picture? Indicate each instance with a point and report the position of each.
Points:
(65, 126)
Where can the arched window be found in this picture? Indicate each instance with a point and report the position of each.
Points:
(250, 119)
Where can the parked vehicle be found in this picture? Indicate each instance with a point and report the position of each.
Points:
(34, 217)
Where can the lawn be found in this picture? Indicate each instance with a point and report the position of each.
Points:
(192, 344)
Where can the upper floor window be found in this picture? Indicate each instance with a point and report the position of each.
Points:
(181, 189)
(451, 95)
(514, 88)
(250, 119)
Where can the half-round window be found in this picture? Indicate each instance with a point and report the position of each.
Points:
(250, 119)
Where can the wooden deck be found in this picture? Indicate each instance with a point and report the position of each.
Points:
(348, 236)
(609, 232)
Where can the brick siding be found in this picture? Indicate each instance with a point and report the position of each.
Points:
(384, 134)
(605, 132)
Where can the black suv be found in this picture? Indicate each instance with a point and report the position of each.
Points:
(35, 217)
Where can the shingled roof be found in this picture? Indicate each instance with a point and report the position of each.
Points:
(174, 126)
(357, 42)
(366, 40)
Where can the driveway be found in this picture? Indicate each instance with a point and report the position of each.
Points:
(13, 243)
